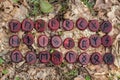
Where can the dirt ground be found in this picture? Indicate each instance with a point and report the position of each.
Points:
(102, 10)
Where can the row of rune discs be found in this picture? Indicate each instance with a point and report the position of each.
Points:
(53, 24)
(56, 57)
(71, 57)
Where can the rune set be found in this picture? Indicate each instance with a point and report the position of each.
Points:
(55, 41)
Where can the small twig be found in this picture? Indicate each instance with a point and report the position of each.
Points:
(118, 46)
(73, 1)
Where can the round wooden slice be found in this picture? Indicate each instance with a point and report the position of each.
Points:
(14, 26)
(108, 58)
(44, 56)
(14, 41)
(28, 39)
(16, 56)
(106, 41)
(106, 27)
(83, 43)
(40, 25)
(30, 57)
(43, 40)
(93, 25)
(53, 24)
(68, 43)
(96, 58)
(84, 58)
(71, 57)
(27, 25)
(56, 41)
(57, 57)
(68, 25)
(95, 40)
(81, 24)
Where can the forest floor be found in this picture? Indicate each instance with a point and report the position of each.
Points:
(63, 9)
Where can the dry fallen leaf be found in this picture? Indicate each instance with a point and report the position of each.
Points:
(79, 78)
(116, 50)
(107, 10)
(102, 4)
